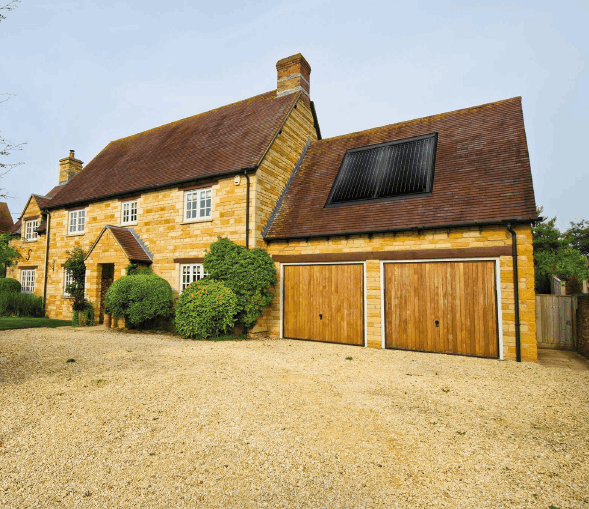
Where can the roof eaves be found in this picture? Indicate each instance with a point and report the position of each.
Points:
(407, 229)
(153, 188)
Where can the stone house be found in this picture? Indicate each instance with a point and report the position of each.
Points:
(403, 236)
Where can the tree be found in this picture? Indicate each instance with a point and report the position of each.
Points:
(6, 146)
(249, 273)
(8, 254)
(579, 236)
(556, 254)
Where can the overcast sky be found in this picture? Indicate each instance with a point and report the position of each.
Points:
(88, 72)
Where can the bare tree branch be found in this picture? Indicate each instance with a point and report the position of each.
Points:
(6, 148)
(10, 6)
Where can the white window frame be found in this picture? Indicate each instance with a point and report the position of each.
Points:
(191, 272)
(67, 278)
(193, 205)
(76, 214)
(30, 233)
(27, 280)
(130, 208)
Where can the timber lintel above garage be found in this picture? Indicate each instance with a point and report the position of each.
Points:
(413, 254)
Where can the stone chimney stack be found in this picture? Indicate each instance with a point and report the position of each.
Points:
(68, 167)
(293, 76)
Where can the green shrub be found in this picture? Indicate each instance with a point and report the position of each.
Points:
(133, 269)
(8, 284)
(83, 317)
(20, 304)
(249, 273)
(140, 299)
(206, 309)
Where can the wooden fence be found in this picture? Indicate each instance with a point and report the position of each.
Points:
(556, 321)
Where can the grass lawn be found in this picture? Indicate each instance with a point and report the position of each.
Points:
(25, 322)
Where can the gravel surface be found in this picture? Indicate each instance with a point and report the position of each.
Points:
(146, 420)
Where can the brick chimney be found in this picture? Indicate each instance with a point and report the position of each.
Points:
(293, 76)
(68, 167)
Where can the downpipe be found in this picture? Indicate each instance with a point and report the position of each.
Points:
(247, 209)
(518, 350)
(46, 264)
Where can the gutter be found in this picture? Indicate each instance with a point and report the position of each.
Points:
(46, 264)
(410, 229)
(518, 347)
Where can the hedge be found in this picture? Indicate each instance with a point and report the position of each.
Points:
(141, 299)
(8, 284)
(206, 309)
(20, 304)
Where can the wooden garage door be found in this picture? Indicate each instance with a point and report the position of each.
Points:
(445, 307)
(324, 303)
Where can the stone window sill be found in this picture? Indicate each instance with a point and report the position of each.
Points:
(78, 234)
(192, 221)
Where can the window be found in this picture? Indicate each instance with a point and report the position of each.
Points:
(129, 212)
(67, 280)
(390, 170)
(27, 280)
(197, 204)
(30, 233)
(190, 273)
(77, 222)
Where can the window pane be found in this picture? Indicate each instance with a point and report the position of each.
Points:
(81, 219)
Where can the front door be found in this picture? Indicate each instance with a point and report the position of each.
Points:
(107, 277)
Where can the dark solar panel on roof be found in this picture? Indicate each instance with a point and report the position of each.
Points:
(394, 169)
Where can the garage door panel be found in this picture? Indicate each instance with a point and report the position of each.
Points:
(324, 303)
(460, 296)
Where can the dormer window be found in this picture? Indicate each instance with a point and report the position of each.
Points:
(77, 222)
(392, 170)
(129, 212)
(30, 227)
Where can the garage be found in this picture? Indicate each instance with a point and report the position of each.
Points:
(445, 307)
(324, 302)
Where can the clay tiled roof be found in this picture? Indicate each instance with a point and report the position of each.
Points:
(53, 191)
(6, 222)
(220, 141)
(130, 244)
(482, 174)
(42, 201)
(129, 241)
(16, 228)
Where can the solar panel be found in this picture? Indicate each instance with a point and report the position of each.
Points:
(389, 170)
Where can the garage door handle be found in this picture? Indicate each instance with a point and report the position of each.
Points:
(437, 323)
(320, 317)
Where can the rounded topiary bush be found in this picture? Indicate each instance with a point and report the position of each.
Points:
(206, 309)
(140, 299)
(7, 284)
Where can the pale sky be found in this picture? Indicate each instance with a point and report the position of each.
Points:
(87, 72)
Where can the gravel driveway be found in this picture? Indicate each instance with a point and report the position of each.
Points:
(142, 420)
